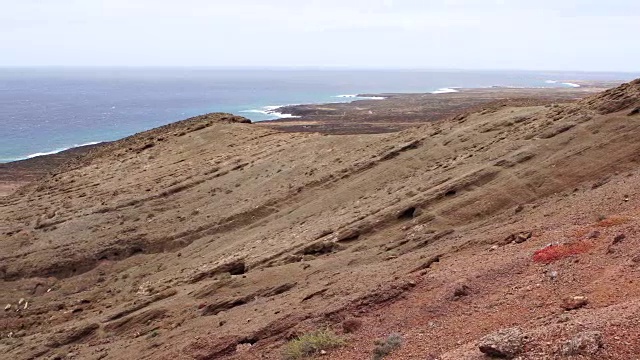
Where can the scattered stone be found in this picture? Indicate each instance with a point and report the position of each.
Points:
(38, 290)
(351, 325)
(243, 347)
(427, 264)
(20, 301)
(7, 307)
(553, 275)
(506, 343)
(519, 208)
(461, 290)
(522, 237)
(594, 234)
(517, 238)
(575, 302)
(584, 343)
(618, 238)
(71, 335)
(235, 267)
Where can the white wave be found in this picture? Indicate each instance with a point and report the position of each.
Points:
(444, 91)
(358, 97)
(31, 156)
(284, 116)
(562, 83)
(271, 110)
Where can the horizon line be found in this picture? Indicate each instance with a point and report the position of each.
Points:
(297, 67)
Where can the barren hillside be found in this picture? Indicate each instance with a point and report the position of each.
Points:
(217, 239)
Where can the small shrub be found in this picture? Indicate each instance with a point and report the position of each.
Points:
(552, 253)
(387, 346)
(311, 344)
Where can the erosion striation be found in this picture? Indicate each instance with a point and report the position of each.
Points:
(508, 230)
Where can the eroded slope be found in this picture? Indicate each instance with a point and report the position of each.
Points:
(203, 238)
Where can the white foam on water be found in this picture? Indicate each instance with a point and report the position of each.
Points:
(271, 110)
(370, 97)
(562, 83)
(444, 91)
(283, 116)
(31, 156)
(358, 97)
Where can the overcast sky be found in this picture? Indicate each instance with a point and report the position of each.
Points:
(463, 34)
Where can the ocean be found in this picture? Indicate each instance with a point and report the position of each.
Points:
(46, 110)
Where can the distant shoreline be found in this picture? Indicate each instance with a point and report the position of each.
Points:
(273, 112)
(366, 114)
(391, 112)
(282, 114)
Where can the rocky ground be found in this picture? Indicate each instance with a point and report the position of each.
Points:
(403, 111)
(509, 231)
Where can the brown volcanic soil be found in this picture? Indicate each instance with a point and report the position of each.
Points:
(397, 112)
(18, 173)
(211, 239)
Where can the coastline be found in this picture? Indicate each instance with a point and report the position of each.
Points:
(283, 112)
(391, 112)
(364, 114)
(17, 173)
(404, 228)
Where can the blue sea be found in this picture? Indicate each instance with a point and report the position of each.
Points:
(46, 110)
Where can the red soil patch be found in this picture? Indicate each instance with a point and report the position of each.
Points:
(552, 253)
(613, 221)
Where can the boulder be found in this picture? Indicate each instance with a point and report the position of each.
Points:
(574, 302)
(585, 343)
(506, 343)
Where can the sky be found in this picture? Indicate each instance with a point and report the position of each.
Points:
(583, 35)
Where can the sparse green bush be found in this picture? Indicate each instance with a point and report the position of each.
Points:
(386, 346)
(312, 343)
